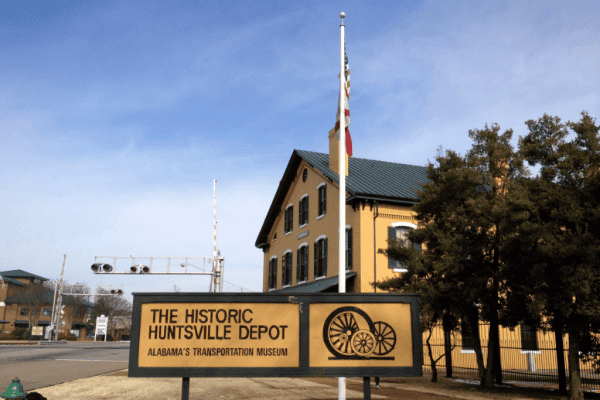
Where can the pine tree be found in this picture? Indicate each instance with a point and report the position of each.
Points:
(465, 220)
(560, 244)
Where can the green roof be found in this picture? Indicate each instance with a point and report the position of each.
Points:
(12, 281)
(317, 286)
(373, 179)
(19, 273)
(370, 180)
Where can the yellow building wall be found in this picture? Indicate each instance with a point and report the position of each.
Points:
(368, 249)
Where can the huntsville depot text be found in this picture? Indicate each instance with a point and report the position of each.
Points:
(258, 334)
(219, 335)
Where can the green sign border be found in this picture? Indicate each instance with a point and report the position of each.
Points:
(303, 370)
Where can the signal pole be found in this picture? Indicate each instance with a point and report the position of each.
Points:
(56, 292)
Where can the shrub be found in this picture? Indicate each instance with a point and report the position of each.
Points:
(63, 336)
(19, 334)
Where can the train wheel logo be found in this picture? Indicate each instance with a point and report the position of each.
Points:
(350, 334)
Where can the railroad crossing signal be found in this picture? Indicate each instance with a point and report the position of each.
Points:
(101, 267)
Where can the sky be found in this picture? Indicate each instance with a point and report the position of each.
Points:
(116, 116)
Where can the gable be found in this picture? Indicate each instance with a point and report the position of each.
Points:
(367, 179)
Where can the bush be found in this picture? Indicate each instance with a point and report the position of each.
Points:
(5, 336)
(19, 334)
(63, 336)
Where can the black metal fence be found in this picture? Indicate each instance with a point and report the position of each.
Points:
(525, 361)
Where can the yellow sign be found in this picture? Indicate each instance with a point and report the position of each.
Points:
(37, 331)
(360, 335)
(218, 335)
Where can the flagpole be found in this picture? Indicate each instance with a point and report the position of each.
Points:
(342, 199)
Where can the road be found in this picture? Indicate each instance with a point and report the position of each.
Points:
(45, 365)
(44, 368)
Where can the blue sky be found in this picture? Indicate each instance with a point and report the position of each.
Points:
(115, 117)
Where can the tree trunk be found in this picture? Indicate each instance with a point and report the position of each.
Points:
(575, 390)
(474, 320)
(488, 377)
(447, 348)
(498, 363)
(434, 373)
(560, 359)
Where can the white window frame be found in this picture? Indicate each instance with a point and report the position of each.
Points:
(316, 240)
(284, 253)
(304, 244)
(319, 199)
(285, 218)
(402, 224)
(299, 201)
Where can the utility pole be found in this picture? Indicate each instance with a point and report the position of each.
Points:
(56, 292)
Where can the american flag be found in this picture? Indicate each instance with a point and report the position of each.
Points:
(346, 98)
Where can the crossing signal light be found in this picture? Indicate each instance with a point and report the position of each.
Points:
(101, 267)
(141, 268)
(116, 291)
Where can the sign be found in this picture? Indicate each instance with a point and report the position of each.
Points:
(37, 331)
(101, 326)
(219, 335)
(368, 334)
(260, 334)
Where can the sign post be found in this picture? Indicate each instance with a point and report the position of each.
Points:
(265, 335)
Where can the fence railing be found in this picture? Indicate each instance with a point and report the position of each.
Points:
(530, 363)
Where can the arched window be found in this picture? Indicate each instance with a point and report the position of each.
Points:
(320, 257)
(302, 263)
(399, 230)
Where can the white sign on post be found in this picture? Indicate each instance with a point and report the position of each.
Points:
(101, 326)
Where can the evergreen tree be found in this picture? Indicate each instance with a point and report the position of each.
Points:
(560, 244)
(465, 221)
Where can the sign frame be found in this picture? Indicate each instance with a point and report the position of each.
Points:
(303, 301)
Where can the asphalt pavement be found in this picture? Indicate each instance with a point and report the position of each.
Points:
(95, 371)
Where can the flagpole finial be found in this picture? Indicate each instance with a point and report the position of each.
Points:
(342, 15)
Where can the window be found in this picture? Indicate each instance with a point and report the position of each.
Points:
(303, 211)
(46, 312)
(272, 273)
(321, 257)
(348, 248)
(286, 268)
(322, 199)
(302, 263)
(289, 219)
(528, 338)
(304, 175)
(468, 338)
(24, 311)
(399, 230)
